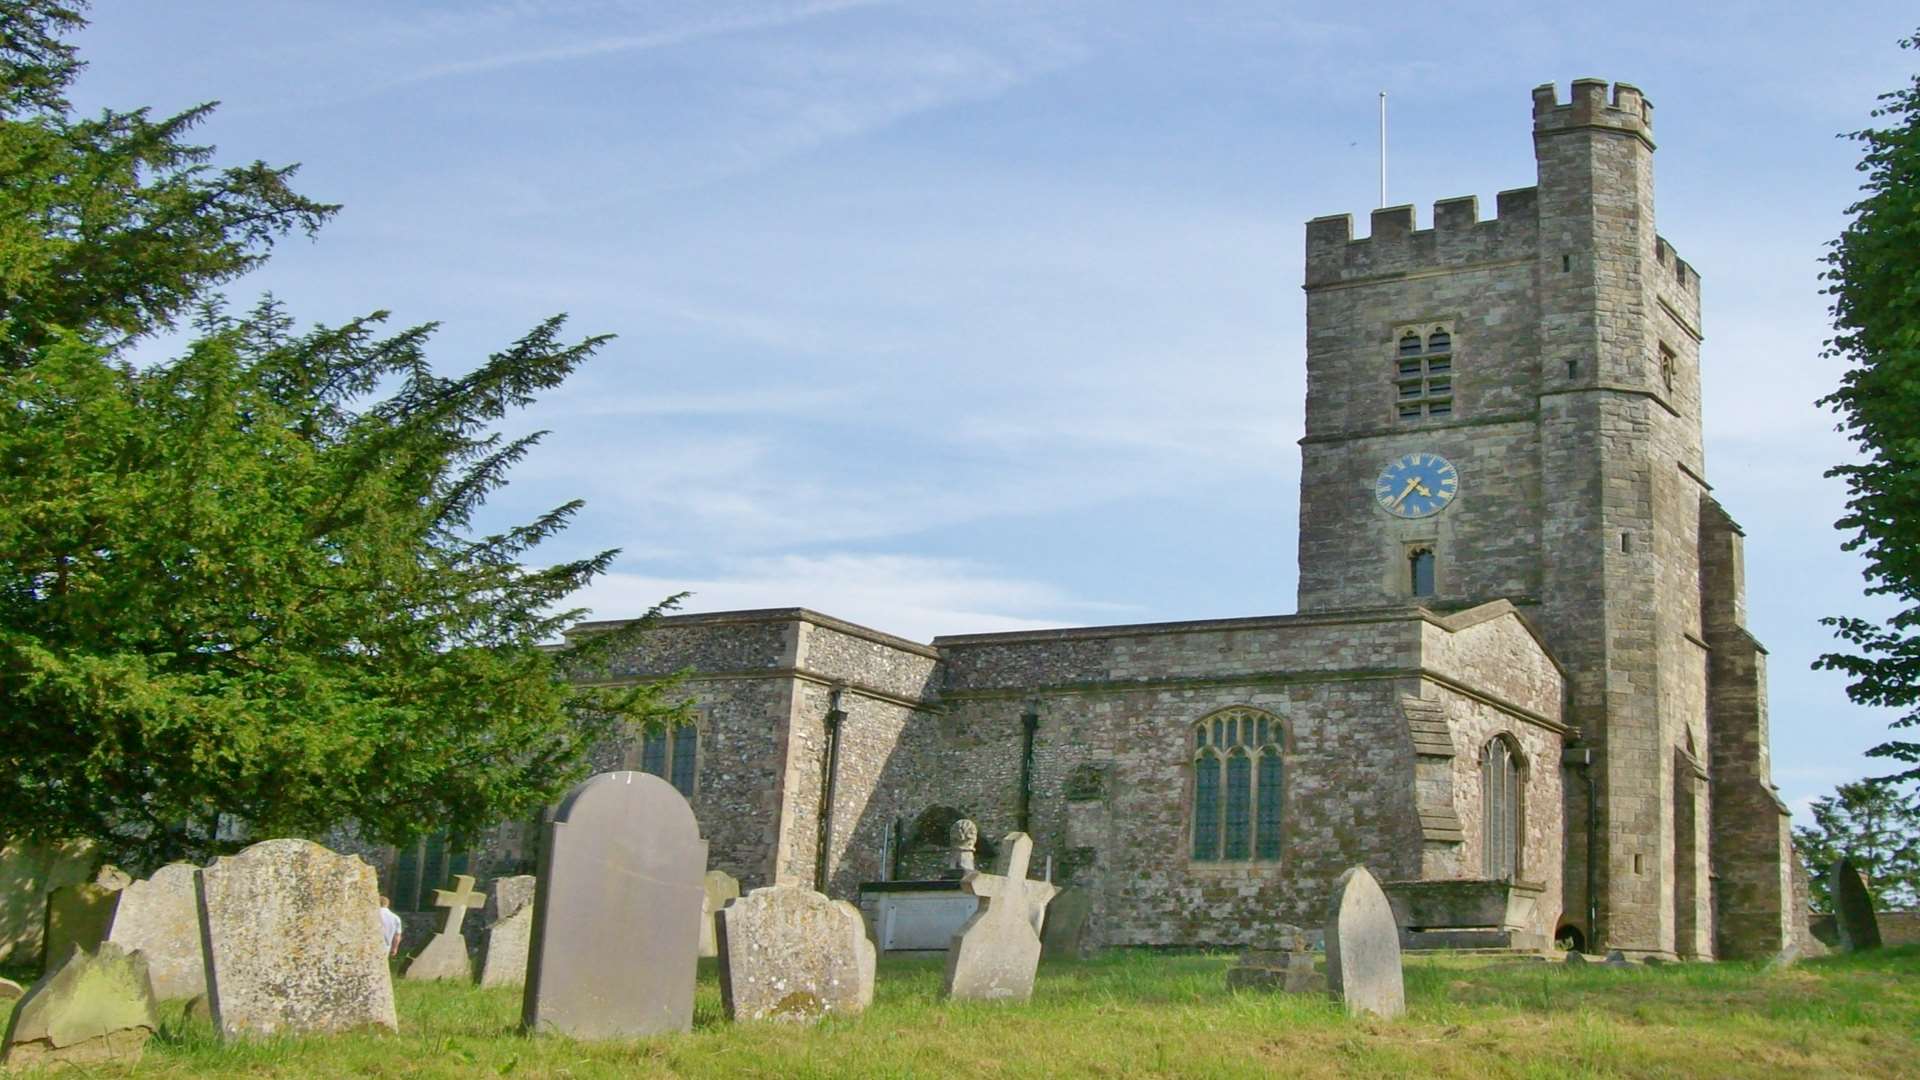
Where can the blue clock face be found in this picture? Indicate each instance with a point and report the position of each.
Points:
(1417, 485)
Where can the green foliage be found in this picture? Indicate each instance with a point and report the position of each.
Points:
(1878, 825)
(243, 585)
(114, 226)
(1874, 271)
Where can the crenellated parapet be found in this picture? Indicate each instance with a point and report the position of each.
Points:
(1457, 238)
(1678, 274)
(1625, 109)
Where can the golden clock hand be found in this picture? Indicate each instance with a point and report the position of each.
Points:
(1411, 484)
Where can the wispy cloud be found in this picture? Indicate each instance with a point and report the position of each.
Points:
(912, 596)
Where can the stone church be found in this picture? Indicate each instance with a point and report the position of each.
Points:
(1519, 686)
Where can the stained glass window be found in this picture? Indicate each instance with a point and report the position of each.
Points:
(1239, 806)
(1500, 805)
(653, 754)
(1267, 824)
(1206, 807)
(686, 747)
(1238, 786)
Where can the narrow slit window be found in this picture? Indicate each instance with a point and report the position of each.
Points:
(1420, 571)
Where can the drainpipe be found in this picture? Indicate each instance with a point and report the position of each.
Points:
(835, 714)
(1029, 724)
(1582, 758)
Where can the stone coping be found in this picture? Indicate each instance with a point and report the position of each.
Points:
(1397, 613)
(776, 615)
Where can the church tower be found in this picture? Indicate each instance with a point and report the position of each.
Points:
(1510, 408)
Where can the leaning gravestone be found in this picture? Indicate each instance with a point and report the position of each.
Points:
(293, 943)
(1363, 948)
(78, 915)
(995, 952)
(722, 889)
(97, 1008)
(1065, 932)
(445, 956)
(161, 917)
(616, 912)
(791, 954)
(508, 933)
(1852, 907)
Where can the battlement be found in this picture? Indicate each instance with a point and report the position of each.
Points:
(1626, 110)
(1458, 237)
(1682, 272)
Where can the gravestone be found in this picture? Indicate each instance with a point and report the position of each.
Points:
(293, 943)
(507, 895)
(161, 917)
(10, 990)
(616, 913)
(1287, 967)
(78, 915)
(96, 1008)
(445, 956)
(1363, 948)
(790, 954)
(722, 888)
(1064, 933)
(29, 872)
(509, 931)
(995, 953)
(1852, 907)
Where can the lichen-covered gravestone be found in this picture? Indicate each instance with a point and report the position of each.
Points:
(722, 889)
(293, 943)
(616, 912)
(160, 916)
(445, 956)
(1363, 948)
(96, 1008)
(78, 914)
(509, 932)
(995, 953)
(1852, 907)
(791, 954)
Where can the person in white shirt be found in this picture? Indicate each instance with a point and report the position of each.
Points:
(390, 927)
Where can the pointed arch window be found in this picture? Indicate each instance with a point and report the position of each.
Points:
(1500, 809)
(1239, 787)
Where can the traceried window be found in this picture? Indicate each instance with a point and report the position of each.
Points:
(1500, 809)
(1239, 786)
(674, 756)
(1423, 379)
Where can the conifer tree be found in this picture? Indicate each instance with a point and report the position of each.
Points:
(245, 584)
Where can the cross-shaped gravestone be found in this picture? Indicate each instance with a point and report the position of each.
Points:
(445, 957)
(457, 900)
(994, 955)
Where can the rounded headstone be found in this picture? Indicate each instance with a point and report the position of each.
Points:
(1363, 948)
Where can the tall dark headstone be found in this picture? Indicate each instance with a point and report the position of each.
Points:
(616, 912)
(1852, 907)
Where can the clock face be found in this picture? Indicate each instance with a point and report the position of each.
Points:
(1417, 485)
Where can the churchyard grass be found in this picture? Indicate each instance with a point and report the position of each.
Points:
(1131, 1014)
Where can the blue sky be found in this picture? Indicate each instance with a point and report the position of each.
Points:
(959, 316)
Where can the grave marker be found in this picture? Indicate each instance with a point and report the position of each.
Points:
(293, 943)
(445, 956)
(995, 953)
(161, 918)
(791, 954)
(616, 912)
(722, 889)
(96, 1008)
(1363, 948)
(1853, 913)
